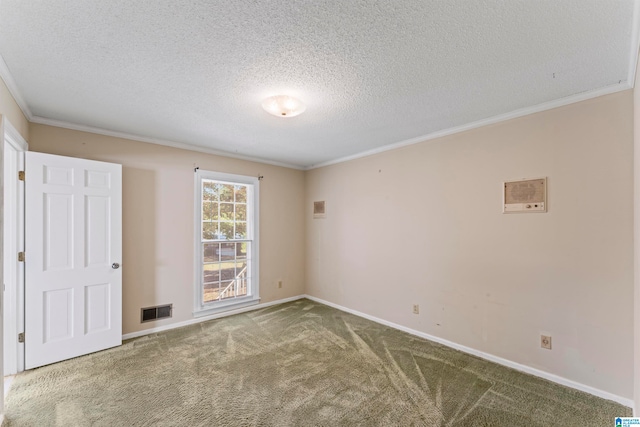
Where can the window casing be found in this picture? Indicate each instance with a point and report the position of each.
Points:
(226, 242)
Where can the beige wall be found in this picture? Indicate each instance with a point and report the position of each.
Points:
(423, 225)
(9, 108)
(158, 219)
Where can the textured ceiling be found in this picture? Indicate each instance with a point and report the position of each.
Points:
(372, 73)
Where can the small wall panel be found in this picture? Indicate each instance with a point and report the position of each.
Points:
(525, 195)
(319, 209)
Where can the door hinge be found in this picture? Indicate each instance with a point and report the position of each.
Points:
(20, 256)
(21, 175)
(21, 337)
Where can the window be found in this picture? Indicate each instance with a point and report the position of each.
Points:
(226, 241)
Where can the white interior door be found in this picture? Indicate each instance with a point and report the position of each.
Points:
(73, 247)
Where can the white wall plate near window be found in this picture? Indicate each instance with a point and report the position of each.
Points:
(525, 195)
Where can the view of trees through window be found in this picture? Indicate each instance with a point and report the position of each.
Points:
(225, 240)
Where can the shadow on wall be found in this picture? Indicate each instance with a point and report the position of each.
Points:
(138, 243)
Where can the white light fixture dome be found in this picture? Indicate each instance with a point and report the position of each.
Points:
(283, 106)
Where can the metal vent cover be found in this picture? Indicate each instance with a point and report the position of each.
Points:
(318, 209)
(149, 314)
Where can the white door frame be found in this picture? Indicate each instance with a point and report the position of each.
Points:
(13, 304)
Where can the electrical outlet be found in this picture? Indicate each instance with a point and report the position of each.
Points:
(545, 341)
(279, 283)
(416, 309)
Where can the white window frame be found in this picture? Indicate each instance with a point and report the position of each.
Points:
(204, 309)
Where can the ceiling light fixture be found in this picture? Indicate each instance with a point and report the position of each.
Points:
(283, 106)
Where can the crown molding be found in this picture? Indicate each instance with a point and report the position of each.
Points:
(166, 143)
(480, 123)
(13, 89)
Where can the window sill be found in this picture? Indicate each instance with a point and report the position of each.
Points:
(225, 306)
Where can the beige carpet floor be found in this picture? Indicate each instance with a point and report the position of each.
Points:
(296, 364)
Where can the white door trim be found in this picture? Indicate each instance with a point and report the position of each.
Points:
(13, 301)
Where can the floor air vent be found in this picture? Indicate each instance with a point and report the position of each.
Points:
(154, 313)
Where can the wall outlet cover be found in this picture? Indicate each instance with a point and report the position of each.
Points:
(545, 341)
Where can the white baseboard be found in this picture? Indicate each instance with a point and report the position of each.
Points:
(499, 360)
(205, 318)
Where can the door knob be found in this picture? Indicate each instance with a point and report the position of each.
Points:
(115, 266)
